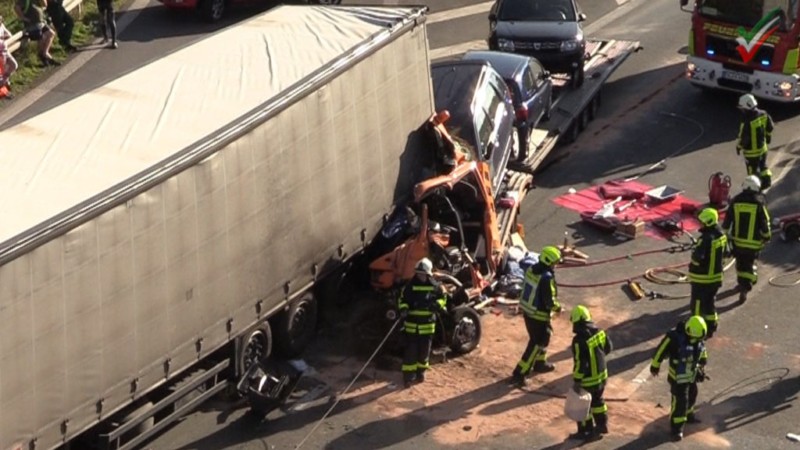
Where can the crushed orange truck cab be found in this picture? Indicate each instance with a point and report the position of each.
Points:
(458, 227)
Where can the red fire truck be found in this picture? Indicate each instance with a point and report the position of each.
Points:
(745, 46)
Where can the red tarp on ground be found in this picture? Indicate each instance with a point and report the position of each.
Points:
(589, 201)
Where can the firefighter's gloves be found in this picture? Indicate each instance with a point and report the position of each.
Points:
(701, 374)
(654, 370)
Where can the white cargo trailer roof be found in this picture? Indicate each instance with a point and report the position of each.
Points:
(62, 159)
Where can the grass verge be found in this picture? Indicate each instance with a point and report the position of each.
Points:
(30, 69)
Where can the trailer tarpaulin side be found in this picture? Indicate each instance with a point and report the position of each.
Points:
(144, 220)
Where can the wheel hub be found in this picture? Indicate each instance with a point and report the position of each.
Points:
(465, 331)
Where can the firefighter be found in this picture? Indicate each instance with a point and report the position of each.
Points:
(419, 302)
(589, 349)
(684, 347)
(755, 135)
(747, 224)
(539, 301)
(705, 268)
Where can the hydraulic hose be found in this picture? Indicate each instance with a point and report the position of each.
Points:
(670, 249)
(774, 280)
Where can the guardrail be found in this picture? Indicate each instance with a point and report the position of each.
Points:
(14, 42)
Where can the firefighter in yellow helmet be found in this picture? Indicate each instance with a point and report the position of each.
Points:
(420, 300)
(705, 268)
(755, 135)
(539, 301)
(684, 348)
(589, 349)
(747, 224)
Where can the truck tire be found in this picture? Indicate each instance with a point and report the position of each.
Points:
(296, 326)
(466, 333)
(256, 345)
(212, 10)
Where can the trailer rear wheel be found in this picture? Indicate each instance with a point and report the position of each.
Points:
(256, 346)
(466, 333)
(296, 326)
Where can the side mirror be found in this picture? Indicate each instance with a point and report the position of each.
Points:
(582, 17)
(493, 16)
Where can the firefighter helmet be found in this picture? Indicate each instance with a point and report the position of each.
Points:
(424, 266)
(550, 255)
(696, 327)
(751, 183)
(708, 217)
(747, 101)
(580, 313)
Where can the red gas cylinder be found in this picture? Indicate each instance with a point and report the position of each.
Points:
(719, 190)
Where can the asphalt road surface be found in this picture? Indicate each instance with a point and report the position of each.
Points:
(649, 112)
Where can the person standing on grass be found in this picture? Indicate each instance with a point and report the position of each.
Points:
(108, 22)
(6, 58)
(62, 22)
(32, 16)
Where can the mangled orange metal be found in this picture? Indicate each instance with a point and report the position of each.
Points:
(397, 266)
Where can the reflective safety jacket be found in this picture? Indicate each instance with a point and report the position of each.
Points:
(755, 132)
(748, 216)
(706, 264)
(540, 294)
(589, 349)
(422, 300)
(685, 356)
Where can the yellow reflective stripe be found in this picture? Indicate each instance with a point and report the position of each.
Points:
(408, 367)
(745, 214)
(421, 289)
(791, 62)
(420, 313)
(691, 42)
(600, 409)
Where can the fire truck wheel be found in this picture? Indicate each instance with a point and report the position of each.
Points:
(466, 333)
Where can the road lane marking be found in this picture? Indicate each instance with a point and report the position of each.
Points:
(71, 66)
(458, 49)
(457, 13)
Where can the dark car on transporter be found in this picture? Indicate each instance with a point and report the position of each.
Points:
(549, 30)
(531, 90)
(481, 111)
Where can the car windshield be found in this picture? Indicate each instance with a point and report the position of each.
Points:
(750, 12)
(536, 11)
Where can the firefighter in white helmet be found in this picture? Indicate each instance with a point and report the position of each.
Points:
(421, 299)
(747, 225)
(755, 135)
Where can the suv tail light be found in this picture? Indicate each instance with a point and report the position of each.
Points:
(522, 113)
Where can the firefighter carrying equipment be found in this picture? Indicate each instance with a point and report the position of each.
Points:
(589, 349)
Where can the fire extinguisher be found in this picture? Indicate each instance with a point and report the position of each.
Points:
(719, 189)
